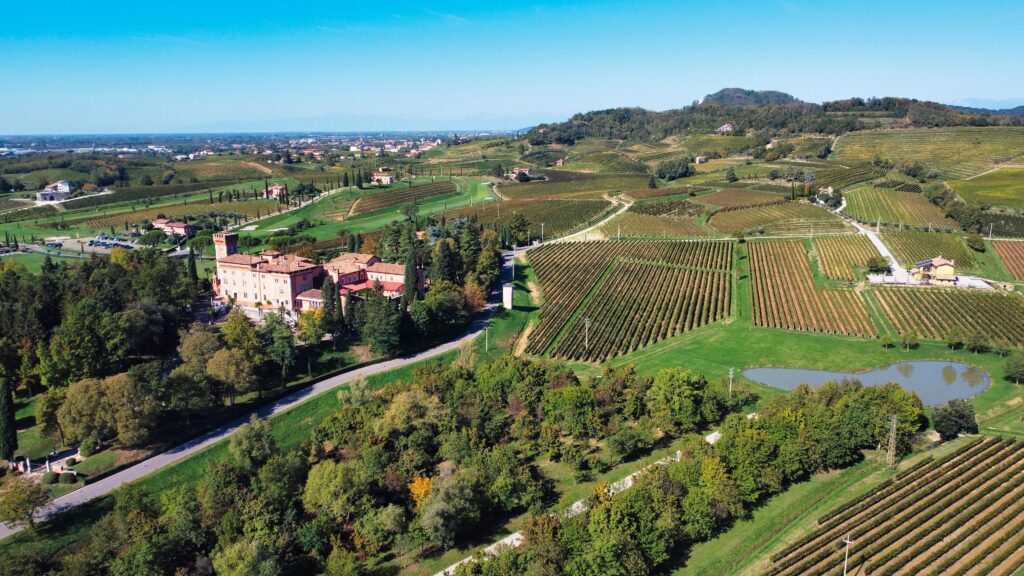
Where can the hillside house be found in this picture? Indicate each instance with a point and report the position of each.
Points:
(726, 128)
(700, 160)
(939, 270)
(276, 191)
(55, 192)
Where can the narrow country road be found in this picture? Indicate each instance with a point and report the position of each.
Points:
(107, 485)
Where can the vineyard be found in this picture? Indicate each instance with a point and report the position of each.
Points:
(247, 209)
(574, 184)
(639, 292)
(669, 208)
(912, 247)
(840, 256)
(790, 218)
(1012, 254)
(1005, 225)
(645, 193)
(955, 152)
(739, 198)
(605, 162)
(402, 195)
(560, 217)
(935, 312)
(1004, 187)
(8, 205)
(961, 515)
(873, 205)
(636, 225)
(842, 177)
(28, 213)
(785, 297)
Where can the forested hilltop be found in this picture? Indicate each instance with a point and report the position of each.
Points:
(768, 111)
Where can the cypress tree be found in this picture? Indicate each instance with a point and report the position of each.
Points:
(8, 427)
(193, 273)
(411, 286)
(344, 181)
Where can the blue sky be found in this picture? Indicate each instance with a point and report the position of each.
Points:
(104, 67)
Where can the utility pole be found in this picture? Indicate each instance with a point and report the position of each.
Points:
(586, 333)
(487, 337)
(890, 457)
(990, 230)
(541, 232)
(731, 371)
(846, 560)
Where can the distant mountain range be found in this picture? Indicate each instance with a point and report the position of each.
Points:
(1017, 112)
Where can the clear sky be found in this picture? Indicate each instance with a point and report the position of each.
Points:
(138, 66)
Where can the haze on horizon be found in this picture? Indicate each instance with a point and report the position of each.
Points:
(125, 67)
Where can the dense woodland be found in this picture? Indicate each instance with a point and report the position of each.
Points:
(112, 347)
(639, 531)
(758, 112)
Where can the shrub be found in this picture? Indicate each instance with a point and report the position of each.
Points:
(68, 477)
(89, 446)
(50, 478)
(71, 462)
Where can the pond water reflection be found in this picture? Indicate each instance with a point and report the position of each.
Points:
(935, 382)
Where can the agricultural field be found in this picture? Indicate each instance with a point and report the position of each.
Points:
(1004, 187)
(912, 247)
(782, 286)
(638, 225)
(709, 143)
(740, 198)
(1012, 254)
(840, 257)
(1002, 224)
(560, 217)
(638, 303)
(400, 194)
(872, 205)
(245, 209)
(647, 193)
(839, 177)
(31, 213)
(935, 312)
(605, 162)
(786, 219)
(679, 208)
(956, 153)
(962, 514)
(599, 276)
(572, 184)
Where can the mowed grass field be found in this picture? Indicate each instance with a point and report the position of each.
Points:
(958, 153)
(1004, 187)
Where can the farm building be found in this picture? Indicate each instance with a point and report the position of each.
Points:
(276, 191)
(172, 228)
(726, 128)
(353, 273)
(55, 192)
(937, 270)
(383, 177)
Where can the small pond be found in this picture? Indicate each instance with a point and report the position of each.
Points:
(935, 382)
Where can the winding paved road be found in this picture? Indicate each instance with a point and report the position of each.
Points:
(107, 485)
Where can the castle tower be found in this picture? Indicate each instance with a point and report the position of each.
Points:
(225, 244)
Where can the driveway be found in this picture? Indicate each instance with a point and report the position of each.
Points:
(107, 485)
